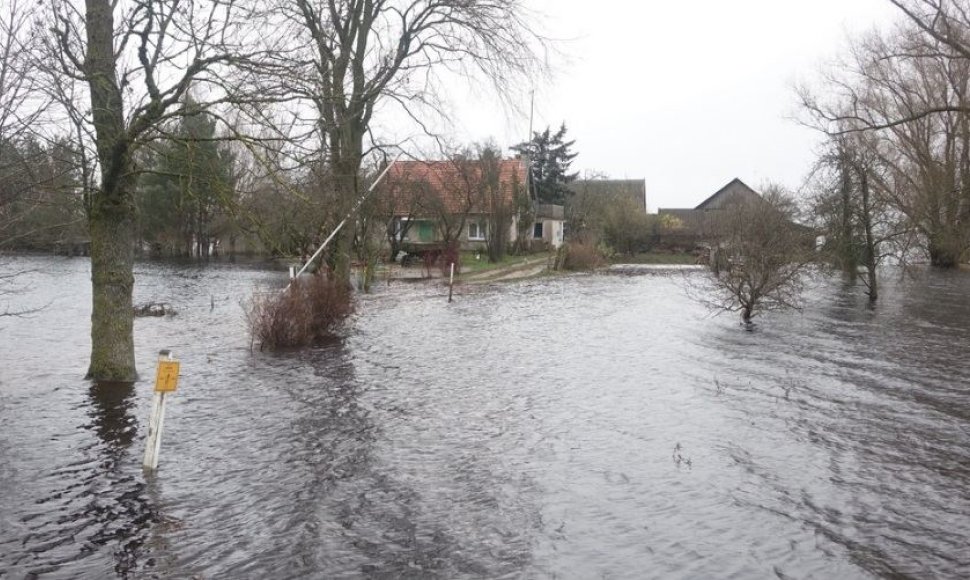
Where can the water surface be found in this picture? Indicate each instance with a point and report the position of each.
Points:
(579, 427)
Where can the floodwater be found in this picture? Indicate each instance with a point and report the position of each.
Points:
(572, 427)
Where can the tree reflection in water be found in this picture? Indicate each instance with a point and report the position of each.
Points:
(121, 512)
(100, 496)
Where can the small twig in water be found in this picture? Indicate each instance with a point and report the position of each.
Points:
(679, 458)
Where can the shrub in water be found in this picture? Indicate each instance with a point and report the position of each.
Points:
(311, 309)
(582, 256)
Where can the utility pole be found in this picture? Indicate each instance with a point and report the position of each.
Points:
(532, 112)
(528, 176)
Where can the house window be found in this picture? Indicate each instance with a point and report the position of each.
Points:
(476, 231)
(425, 231)
(537, 230)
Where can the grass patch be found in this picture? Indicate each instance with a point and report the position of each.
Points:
(474, 262)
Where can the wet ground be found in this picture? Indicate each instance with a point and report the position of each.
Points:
(564, 427)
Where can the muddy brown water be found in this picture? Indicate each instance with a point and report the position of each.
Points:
(580, 427)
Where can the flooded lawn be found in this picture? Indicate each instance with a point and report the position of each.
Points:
(579, 427)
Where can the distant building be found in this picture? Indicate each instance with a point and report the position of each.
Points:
(686, 227)
(433, 200)
(689, 228)
(549, 225)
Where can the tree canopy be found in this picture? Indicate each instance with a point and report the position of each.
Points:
(189, 181)
(550, 157)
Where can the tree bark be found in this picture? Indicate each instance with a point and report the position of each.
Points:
(111, 217)
(345, 179)
(872, 249)
(847, 246)
(112, 280)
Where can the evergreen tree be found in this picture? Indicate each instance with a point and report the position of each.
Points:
(188, 184)
(549, 159)
(41, 203)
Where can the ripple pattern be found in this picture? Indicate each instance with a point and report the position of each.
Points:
(574, 427)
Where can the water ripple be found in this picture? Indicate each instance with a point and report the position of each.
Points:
(575, 427)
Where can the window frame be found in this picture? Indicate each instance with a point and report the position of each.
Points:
(480, 231)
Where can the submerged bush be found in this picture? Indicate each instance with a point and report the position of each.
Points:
(581, 256)
(311, 309)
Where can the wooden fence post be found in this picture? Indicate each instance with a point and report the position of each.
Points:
(451, 282)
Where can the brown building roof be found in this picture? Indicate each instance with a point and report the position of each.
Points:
(736, 190)
(698, 221)
(421, 186)
(702, 220)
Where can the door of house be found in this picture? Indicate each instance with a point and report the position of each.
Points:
(425, 232)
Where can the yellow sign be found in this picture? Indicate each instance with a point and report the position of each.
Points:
(167, 377)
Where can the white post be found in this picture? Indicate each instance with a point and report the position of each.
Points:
(451, 281)
(154, 445)
(292, 272)
(163, 385)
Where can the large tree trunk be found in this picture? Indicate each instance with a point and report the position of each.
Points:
(847, 250)
(341, 252)
(112, 213)
(112, 280)
(872, 250)
(746, 314)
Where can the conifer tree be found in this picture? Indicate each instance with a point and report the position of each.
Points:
(187, 187)
(549, 156)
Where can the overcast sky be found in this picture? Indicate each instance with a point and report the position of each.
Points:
(685, 94)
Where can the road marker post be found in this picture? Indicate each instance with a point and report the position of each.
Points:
(451, 282)
(166, 381)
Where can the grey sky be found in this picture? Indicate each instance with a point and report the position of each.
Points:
(687, 95)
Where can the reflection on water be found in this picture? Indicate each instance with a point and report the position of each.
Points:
(539, 429)
(91, 504)
(111, 415)
(125, 516)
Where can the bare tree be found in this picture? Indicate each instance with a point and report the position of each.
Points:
(16, 80)
(584, 210)
(473, 188)
(15, 91)
(37, 171)
(400, 202)
(885, 90)
(361, 55)
(767, 255)
(498, 192)
(121, 71)
(464, 196)
(942, 27)
(853, 208)
(286, 209)
(16, 116)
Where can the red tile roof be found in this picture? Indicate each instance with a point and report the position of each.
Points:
(417, 186)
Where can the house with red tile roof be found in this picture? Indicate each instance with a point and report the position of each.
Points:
(460, 199)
